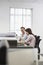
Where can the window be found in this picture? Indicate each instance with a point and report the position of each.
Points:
(20, 17)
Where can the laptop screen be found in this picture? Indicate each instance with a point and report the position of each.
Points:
(12, 43)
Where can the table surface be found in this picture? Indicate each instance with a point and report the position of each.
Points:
(8, 38)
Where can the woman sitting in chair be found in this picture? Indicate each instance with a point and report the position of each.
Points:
(30, 41)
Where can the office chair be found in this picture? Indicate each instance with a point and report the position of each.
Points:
(37, 44)
(3, 55)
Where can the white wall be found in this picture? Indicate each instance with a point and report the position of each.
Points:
(37, 21)
(4, 17)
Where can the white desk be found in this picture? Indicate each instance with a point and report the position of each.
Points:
(8, 38)
(22, 56)
(4, 41)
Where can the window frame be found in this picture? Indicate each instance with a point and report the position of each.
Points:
(22, 16)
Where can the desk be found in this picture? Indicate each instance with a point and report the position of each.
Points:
(9, 41)
(8, 38)
(22, 56)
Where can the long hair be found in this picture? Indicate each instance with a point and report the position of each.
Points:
(29, 31)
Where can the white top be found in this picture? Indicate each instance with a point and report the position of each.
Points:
(24, 37)
(30, 40)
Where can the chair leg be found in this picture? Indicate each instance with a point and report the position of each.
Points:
(38, 53)
(38, 57)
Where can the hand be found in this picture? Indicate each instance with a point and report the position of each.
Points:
(25, 45)
(21, 42)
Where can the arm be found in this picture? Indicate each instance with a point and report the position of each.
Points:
(28, 40)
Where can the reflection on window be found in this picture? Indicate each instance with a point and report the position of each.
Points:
(18, 18)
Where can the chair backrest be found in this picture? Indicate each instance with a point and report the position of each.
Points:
(37, 41)
(37, 44)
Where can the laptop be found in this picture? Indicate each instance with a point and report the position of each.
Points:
(12, 43)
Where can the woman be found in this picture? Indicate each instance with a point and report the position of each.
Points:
(30, 39)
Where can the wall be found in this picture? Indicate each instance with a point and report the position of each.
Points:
(4, 17)
(37, 19)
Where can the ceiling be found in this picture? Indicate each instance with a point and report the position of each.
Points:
(29, 1)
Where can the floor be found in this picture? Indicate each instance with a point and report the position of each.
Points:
(41, 60)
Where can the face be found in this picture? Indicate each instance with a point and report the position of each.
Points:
(22, 30)
(27, 33)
